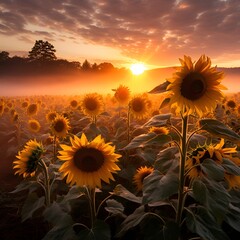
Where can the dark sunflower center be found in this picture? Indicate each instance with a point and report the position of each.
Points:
(88, 159)
(32, 108)
(193, 86)
(32, 162)
(91, 104)
(59, 126)
(137, 105)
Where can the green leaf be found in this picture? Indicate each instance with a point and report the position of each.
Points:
(99, 231)
(196, 140)
(171, 231)
(158, 120)
(114, 207)
(73, 193)
(200, 191)
(201, 222)
(166, 160)
(212, 169)
(157, 187)
(219, 129)
(133, 220)
(160, 88)
(26, 185)
(32, 204)
(212, 195)
(233, 217)
(121, 191)
(230, 167)
(62, 223)
(146, 140)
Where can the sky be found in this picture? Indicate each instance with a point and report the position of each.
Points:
(155, 32)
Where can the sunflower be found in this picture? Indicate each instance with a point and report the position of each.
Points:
(92, 104)
(231, 104)
(139, 106)
(25, 104)
(122, 94)
(50, 116)
(74, 104)
(32, 109)
(195, 87)
(139, 176)
(60, 126)
(159, 130)
(28, 159)
(217, 153)
(34, 125)
(87, 163)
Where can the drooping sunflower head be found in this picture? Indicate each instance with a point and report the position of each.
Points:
(139, 106)
(159, 130)
(122, 94)
(74, 103)
(60, 126)
(92, 104)
(32, 109)
(87, 163)
(28, 159)
(195, 87)
(215, 152)
(139, 176)
(50, 116)
(34, 125)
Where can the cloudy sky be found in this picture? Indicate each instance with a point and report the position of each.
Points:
(156, 32)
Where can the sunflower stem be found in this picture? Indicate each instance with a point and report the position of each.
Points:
(46, 182)
(181, 198)
(54, 148)
(92, 204)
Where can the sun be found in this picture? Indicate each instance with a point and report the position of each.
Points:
(137, 68)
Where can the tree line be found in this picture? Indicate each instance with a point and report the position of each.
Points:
(42, 60)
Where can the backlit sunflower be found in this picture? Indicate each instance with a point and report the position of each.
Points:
(139, 176)
(139, 106)
(92, 104)
(60, 126)
(88, 162)
(50, 116)
(195, 87)
(217, 153)
(25, 104)
(32, 109)
(231, 104)
(122, 94)
(28, 159)
(34, 125)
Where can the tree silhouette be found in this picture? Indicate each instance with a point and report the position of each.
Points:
(86, 66)
(4, 56)
(42, 50)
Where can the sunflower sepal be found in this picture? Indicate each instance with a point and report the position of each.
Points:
(218, 129)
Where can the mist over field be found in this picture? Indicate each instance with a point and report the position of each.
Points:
(81, 83)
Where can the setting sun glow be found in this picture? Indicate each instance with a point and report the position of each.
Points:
(137, 68)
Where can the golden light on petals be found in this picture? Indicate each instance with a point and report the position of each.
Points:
(195, 87)
(34, 125)
(60, 126)
(139, 106)
(88, 163)
(92, 104)
(50, 116)
(159, 130)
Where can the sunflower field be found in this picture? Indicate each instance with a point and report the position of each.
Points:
(163, 164)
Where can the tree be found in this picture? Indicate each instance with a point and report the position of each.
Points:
(86, 66)
(4, 56)
(42, 50)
